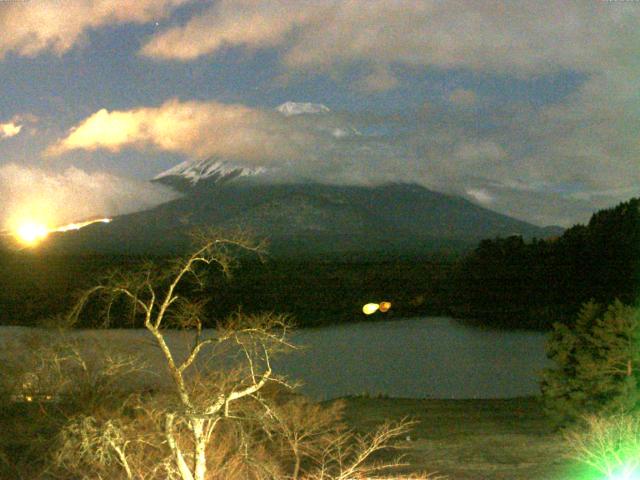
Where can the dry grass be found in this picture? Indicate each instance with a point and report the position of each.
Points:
(459, 439)
(474, 439)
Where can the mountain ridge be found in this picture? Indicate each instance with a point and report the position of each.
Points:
(315, 218)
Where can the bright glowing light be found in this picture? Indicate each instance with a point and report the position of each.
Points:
(385, 306)
(79, 225)
(370, 308)
(31, 233)
(629, 472)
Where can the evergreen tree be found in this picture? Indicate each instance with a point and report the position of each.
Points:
(597, 363)
(516, 283)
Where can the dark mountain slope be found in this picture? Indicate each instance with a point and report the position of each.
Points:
(307, 218)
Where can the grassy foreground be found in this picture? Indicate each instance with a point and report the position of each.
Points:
(454, 439)
(474, 439)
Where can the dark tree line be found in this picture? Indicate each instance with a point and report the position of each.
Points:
(34, 287)
(533, 284)
(506, 282)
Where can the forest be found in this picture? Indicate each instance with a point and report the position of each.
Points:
(503, 282)
(533, 284)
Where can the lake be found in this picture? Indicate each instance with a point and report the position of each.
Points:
(433, 357)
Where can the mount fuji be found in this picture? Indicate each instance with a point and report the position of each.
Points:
(299, 217)
(307, 220)
(299, 108)
(188, 174)
(191, 174)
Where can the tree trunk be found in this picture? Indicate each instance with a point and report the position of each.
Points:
(183, 468)
(296, 467)
(200, 457)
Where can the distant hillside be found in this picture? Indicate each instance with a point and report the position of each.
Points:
(514, 282)
(307, 219)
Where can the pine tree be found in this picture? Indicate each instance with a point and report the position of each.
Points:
(597, 363)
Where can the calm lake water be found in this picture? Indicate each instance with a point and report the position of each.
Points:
(432, 357)
(417, 358)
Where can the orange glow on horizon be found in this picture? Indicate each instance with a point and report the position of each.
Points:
(79, 225)
(31, 233)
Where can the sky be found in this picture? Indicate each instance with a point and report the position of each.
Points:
(529, 108)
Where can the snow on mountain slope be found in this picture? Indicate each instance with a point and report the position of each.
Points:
(298, 108)
(211, 168)
(216, 170)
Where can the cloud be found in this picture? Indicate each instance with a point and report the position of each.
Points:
(31, 27)
(59, 198)
(462, 97)
(200, 129)
(551, 165)
(250, 23)
(17, 124)
(519, 158)
(323, 146)
(539, 37)
(379, 80)
(480, 195)
(479, 152)
(545, 207)
(9, 129)
(590, 139)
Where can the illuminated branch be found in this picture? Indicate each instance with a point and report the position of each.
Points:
(199, 404)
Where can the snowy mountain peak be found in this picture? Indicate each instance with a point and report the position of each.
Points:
(297, 108)
(218, 171)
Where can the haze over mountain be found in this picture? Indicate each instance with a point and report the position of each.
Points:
(367, 92)
(297, 215)
(305, 218)
(218, 169)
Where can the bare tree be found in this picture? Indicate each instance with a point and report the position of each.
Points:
(306, 430)
(157, 300)
(608, 444)
(214, 421)
(348, 456)
(45, 379)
